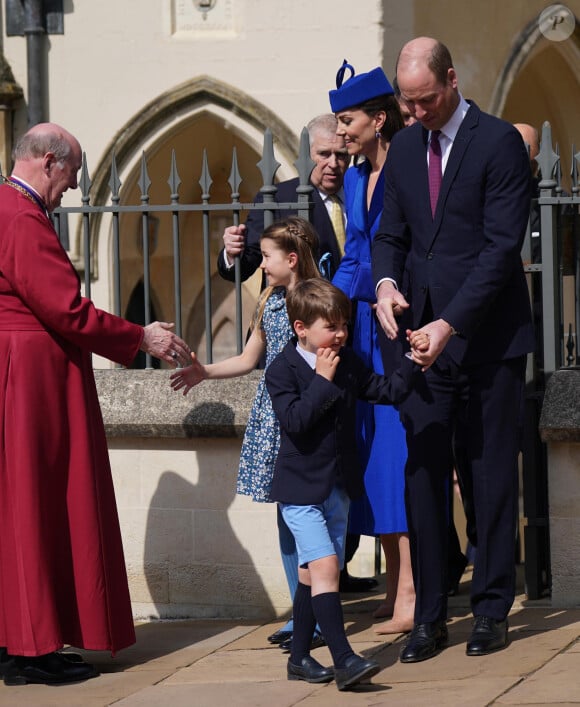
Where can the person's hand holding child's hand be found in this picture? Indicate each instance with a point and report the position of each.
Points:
(419, 340)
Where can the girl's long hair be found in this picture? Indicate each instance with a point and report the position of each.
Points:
(291, 235)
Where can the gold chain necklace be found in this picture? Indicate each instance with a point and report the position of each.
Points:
(31, 197)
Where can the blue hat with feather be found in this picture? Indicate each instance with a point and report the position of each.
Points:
(358, 88)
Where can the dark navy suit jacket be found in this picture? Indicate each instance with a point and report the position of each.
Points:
(317, 418)
(251, 257)
(466, 260)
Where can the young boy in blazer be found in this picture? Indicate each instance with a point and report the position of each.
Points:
(314, 385)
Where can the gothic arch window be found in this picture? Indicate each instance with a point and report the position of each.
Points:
(540, 82)
(202, 114)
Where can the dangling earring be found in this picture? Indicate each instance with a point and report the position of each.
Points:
(378, 135)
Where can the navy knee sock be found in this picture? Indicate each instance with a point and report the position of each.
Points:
(304, 623)
(328, 612)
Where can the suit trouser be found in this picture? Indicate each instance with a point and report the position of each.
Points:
(483, 403)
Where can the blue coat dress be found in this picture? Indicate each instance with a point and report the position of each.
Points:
(380, 434)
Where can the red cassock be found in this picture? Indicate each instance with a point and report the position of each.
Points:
(62, 571)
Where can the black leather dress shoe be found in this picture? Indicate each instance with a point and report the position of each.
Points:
(356, 670)
(424, 642)
(316, 642)
(355, 584)
(487, 636)
(309, 670)
(7, 661)
(280, 636)
(50, 669)
(72, 657)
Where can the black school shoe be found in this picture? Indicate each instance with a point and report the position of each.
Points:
(51, 669)
(309, 670)
(279, 637)
(356, 670)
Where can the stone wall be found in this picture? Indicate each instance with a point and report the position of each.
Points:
(193, 547)
(560, 429)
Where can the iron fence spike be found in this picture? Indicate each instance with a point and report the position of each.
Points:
(205, 180)
(174, 180)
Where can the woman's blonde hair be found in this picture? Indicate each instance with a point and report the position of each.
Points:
(291, 235)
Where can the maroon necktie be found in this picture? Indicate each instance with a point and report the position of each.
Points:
(434, 169)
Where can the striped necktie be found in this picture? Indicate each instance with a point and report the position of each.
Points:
(337, 221)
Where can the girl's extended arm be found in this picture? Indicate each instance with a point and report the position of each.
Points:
(231, 367)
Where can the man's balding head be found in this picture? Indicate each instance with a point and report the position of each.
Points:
(427, 81)
(530, 137)
(48, 158)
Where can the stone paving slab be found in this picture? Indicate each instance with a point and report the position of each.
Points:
(450, 693)
(557, 682)
(230, 664)
(273, 694)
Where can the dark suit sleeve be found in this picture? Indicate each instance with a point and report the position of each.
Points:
(505, 217)
(298, 410)
(385, 390)
(251, 257)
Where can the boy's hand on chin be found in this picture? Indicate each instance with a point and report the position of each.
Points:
(326, 362)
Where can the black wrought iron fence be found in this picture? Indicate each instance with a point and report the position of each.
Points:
(205, 207)
(551, 256)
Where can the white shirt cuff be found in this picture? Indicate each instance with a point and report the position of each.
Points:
(385, 279)
(227, 263)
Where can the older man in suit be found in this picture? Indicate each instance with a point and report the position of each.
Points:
(331, 159)
(457, 191)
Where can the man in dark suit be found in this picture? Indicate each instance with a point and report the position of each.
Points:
(331, 159)
(457, 195)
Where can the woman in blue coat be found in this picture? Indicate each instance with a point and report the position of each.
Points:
(368, 116)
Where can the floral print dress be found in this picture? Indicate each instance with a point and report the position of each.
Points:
(262, 437)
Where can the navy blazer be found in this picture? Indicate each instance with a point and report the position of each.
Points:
(466, 260)
(251, 257)
(318, 447)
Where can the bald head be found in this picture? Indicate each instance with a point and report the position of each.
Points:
(425, 52)
(48, 158)
(530, 137)
(43, 138)
(427, 81)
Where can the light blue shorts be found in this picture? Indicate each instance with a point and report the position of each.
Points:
(319, 530)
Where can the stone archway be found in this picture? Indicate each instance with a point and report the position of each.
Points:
(195, 118)
(540, 82)
(234, 113)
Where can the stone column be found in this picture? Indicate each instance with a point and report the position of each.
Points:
(560, 429)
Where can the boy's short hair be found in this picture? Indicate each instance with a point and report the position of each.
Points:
(317, 298)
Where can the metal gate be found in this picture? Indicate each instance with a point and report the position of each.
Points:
(551, 256)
